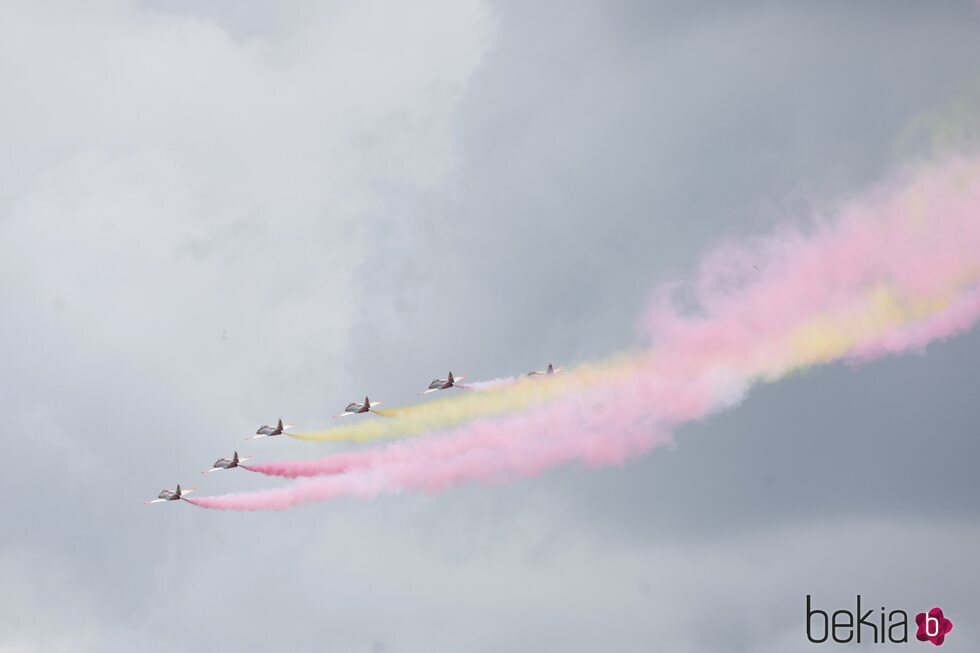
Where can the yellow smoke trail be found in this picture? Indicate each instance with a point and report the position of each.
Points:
(826, 337)
(465, 405)
(835, 335)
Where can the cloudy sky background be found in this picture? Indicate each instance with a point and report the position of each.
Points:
(361, 196)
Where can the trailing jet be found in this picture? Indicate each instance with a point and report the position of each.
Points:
(170, 495)
(354, 408)
(266, 431)
(442, 384)
(224, 463)
(551, 370)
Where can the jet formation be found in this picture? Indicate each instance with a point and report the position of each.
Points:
(353, 408)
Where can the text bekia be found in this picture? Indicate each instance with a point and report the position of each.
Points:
(844, 626)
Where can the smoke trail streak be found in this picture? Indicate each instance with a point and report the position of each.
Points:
(470, 401)
(895, 271)
(492, 383)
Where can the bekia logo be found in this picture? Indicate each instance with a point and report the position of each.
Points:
(885, 627)
(933, 626)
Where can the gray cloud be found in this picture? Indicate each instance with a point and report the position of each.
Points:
(362, 196)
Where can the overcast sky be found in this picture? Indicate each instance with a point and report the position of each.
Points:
(213, 217)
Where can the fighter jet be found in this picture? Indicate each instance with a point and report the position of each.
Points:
(442, 384)
(551, 370)
(224, 463)
(354, 408)
(266, 431)
(170, 495)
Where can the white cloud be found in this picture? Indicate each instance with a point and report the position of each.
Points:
(170, 183)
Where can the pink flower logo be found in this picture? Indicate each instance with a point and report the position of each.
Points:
(933, 626)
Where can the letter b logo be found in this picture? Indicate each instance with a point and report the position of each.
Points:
(933, 626)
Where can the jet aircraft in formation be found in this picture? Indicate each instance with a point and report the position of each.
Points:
(225, 463)
(442, 384)
(171, 495)
(551, 370)
(353, 408)
(266, 431)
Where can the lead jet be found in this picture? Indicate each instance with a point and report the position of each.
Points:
(354, 408)
(266, 431)
(224, 463)
(442, 384)
(551, 370)
(170, 495)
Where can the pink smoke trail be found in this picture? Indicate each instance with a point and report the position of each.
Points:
(895, 271)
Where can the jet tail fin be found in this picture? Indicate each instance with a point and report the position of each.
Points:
(367, 402)
(279, 424)
(235, 458)
(450, 377)
(177, 491)
(551, 368)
